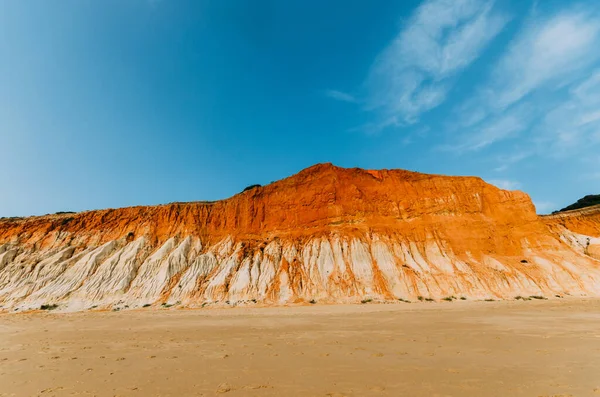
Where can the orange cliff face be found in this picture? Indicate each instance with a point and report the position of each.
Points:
(579, 228)
(327, 233)
(317, 200)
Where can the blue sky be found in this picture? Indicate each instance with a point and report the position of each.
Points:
(125, 102)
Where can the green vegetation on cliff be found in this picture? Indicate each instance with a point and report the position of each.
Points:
(587, 201)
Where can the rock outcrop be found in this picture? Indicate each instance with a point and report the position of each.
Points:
(327, 234)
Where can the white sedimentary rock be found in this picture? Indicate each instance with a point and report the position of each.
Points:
(122, 274)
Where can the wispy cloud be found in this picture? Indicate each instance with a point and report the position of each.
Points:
(547, 55)
(506, 161)
(414, 73)
(505, 184)
(504, 126)
(341, 96)
(576, 121)
(546, 52)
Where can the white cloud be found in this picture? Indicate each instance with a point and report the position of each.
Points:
(471, 112)
(502, 127)
(545, 52)
(589, 118)
(575, 123)
(340, 96)
(413, 74)
(505, 184)
(548, 55)
(507, 161)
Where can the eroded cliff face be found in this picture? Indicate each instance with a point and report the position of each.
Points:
(578, 228)
(326, 234)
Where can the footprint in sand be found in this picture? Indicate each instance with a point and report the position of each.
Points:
(256, 387)
(224, 388)
(52, 389)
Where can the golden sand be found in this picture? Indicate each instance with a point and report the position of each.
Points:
(531, 348)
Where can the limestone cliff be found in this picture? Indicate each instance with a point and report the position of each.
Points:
(326, 234)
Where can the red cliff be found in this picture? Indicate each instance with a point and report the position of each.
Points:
(326, 234)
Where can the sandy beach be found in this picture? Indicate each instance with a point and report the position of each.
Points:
(531, 348)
